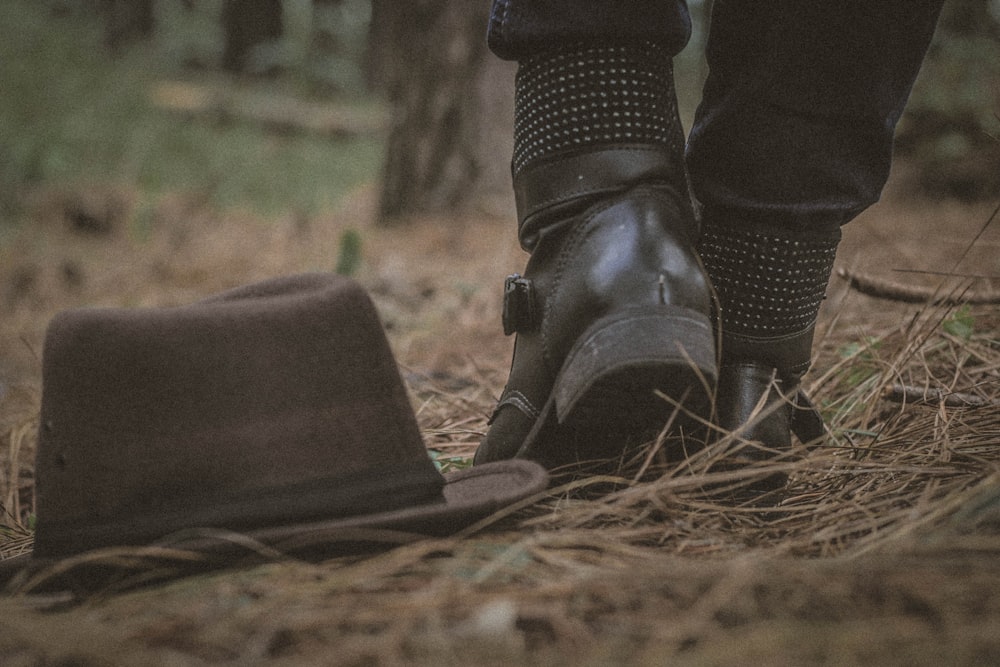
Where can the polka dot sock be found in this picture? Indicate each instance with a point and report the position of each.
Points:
(770, 283)
(584, 97)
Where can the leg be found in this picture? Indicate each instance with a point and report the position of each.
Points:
(792, 140)
(614, 302)
(520, 29)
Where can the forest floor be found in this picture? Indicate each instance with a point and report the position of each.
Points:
(889, 554)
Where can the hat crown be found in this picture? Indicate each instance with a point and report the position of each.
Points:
(273, 402)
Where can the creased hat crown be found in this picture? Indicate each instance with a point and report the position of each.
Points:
(270, 403)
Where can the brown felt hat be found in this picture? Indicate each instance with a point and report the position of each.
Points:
(275, 411)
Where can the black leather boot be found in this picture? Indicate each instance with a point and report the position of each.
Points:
(614, 303)
(770, 283)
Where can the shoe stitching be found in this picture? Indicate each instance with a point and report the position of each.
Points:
(519, 401)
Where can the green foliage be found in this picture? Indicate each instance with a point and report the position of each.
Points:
(862, 368)
(333, 58)
(349, 257)
(33, 107)
(69, 113)
(448, 463)
(961, 323)
(951, 126)
(864, 361)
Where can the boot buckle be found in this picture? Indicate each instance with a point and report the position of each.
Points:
(518, 304)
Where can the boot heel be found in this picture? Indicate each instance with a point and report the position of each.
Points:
(608, 382)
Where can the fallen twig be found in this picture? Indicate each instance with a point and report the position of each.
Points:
(899, 393)
(884, 289)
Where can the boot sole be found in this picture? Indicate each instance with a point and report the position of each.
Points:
(606, 397)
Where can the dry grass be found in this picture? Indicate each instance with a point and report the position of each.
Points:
(889, 471)
(893, 521)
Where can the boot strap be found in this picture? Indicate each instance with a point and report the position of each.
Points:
(790, 354)
(519, 307)
(548, 186)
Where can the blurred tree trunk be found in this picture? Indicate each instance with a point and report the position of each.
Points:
(248, 25)
(948, 131)
(324, 40)
(384, 30)
(126, 20)
(334, 61)
(452, 108)
(324, 47)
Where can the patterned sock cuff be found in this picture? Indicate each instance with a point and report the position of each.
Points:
(585, 96)
(770, 284)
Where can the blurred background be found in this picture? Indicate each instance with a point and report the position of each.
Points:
(285, 105)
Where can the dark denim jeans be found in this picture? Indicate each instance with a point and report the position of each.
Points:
(797, 116)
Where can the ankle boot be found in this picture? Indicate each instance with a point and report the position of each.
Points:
(614, 304)
(770, 283)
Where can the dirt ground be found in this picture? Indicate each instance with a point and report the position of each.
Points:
(518, 593)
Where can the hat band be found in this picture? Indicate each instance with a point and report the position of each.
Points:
(382, 489)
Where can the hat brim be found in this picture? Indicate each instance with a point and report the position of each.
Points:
(468, 496)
